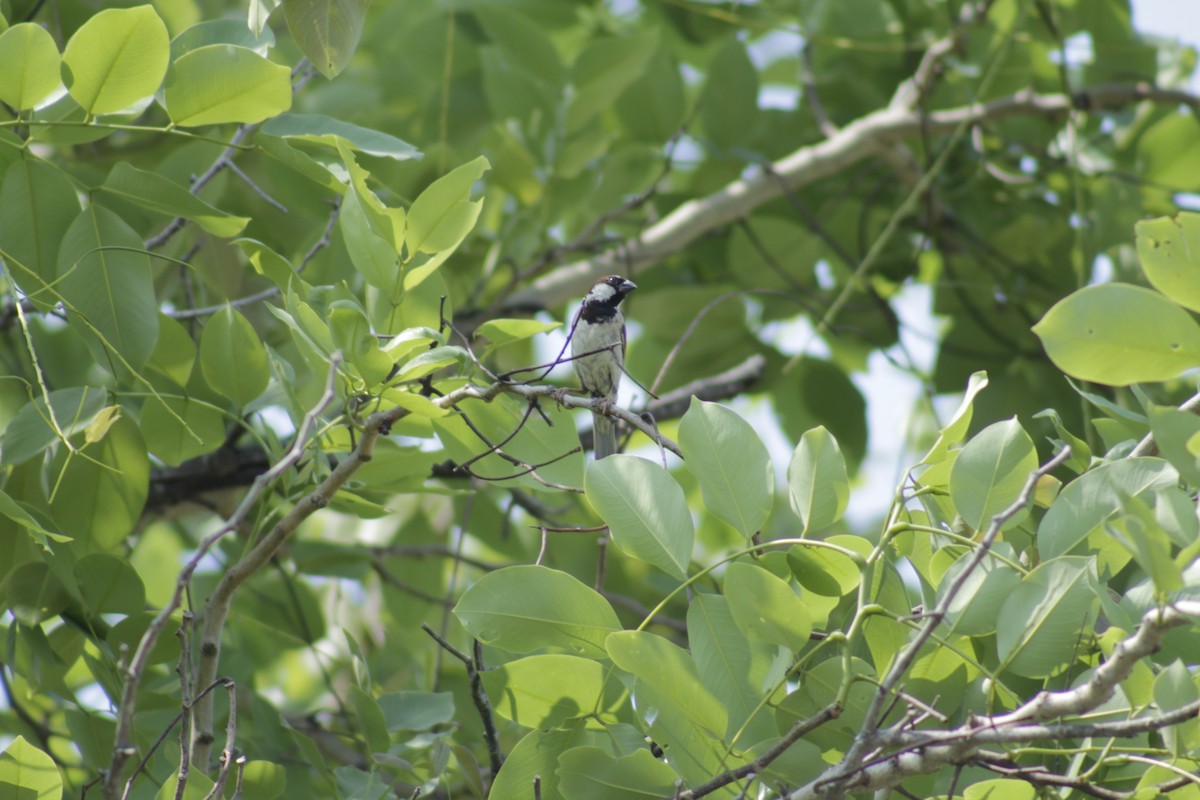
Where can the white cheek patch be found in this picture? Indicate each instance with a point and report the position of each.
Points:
(602, 292)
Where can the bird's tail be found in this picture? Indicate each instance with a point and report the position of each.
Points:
(604, 436)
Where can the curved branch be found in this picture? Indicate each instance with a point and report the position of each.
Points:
(863, 138)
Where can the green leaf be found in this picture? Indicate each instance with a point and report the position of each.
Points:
(201, 431)
(175, 353)
(352, 335)
(16, 512)
(956, 429)
(111, 288)
(736, 669)
(223, 83)
(824, 571)
(221, 31)
(522, 39)
(644, 508)
(98, 495)
(1081, 454)
(430, 361)
(372, 255)
(729, 102)
(326, 30)
(28, 773)
(536, 757)
(416, 711)
(1119, 334)
(1084, 504)
(731, 463)
(29, 65)
(152, 191)
(990, 472)
(37, 206)
(1142, 537)
(116, 58)
(766, 607)
(527, 608)
(263, 780)
(110, 585)
(1041, 618)
(653, 109)
(1175, 687)
(443, 214)
(603, 71)
(233, 358)
(370, 720)
(589, 773)
(1173, 431)
(1169, 251)
(976, 607)
(818, 486)
(501, 332)
(669, 669)
(320, 129)
(267, 262)
(30, 432)
(545, 691)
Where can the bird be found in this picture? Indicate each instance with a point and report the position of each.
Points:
(598, 351)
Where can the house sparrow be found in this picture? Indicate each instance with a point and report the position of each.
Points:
(598, 351)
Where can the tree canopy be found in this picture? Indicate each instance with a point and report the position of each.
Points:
(293, 502)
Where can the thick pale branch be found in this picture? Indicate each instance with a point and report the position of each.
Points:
(863, 138)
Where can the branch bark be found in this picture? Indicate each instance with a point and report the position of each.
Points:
(868, 136)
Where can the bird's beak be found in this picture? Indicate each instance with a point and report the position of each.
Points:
(627, 286)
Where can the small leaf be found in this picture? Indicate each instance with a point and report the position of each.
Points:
(16, 512)
(644, 508)
(116, 58)
(30, 432)
(501, 332)
(824, 571)
(726, 455)
(818, 486)
(527, 608)
(431, 361)
(1119, 334)
(956, 428)
(223, 83)
(233, 358)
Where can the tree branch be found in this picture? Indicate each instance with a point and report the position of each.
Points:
(863, 138)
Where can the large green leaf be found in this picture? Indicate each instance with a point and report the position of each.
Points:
(111, 289)
(98, 495)
(223, 83)
(28, 773)
(1119, 334)
(179, 428)
(1094, 496)
(547, 690)
(738, 670)
(990, 472)
(37, 206)
(644, 508)
(116, 58)
(321, 129)
(326, 30)
(29, 65)
(535, 759)
(444, 213)
(1041, 619)
(529, 608)
(233, 358)
(766, 607)
(589, 773)
(818, 487)
(732, 464)
(157, 193)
